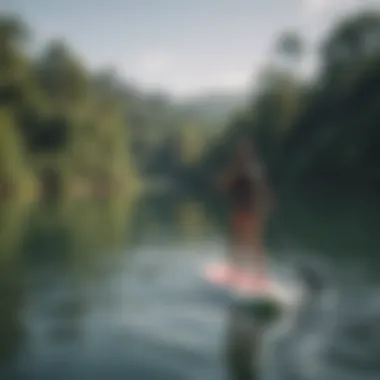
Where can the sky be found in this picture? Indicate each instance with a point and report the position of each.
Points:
(183, 46)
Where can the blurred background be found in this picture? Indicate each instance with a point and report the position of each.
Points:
(114, 119)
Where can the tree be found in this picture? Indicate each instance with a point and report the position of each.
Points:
(352, 40)
(13, 62)
(289, 50)
(324, 131)
(13, 167)
(64, 80)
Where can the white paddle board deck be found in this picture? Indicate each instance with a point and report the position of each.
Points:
(216, 275)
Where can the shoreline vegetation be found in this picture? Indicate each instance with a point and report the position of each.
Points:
(320, 131)
(67, 132)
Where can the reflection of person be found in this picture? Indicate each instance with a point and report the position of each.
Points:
(246, 329)
(246, 184)
(243, 344)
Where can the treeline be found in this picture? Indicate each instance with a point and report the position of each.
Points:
(323, 131)
(60, 124)
(65, 129)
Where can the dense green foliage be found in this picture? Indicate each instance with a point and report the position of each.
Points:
(72, 129)
(321, 131)
(56, 120)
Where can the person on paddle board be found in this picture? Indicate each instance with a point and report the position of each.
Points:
(247, 187)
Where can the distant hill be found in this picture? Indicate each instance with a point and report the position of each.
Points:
(213, 109)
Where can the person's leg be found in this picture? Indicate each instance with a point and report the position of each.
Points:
(236, 250)
(225, 272)
(240, 237)
(254, 266)
(258, 252)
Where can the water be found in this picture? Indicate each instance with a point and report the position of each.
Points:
(113, 290)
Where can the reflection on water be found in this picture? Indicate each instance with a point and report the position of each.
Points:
(243, 344)
(113, 289)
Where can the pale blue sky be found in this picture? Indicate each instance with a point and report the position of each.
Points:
(184, 46)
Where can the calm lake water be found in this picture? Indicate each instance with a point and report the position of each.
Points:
(113, 290)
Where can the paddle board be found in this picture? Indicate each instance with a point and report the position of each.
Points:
(223, 275)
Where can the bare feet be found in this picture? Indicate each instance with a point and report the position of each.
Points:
(240, 279)
(251, 282)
